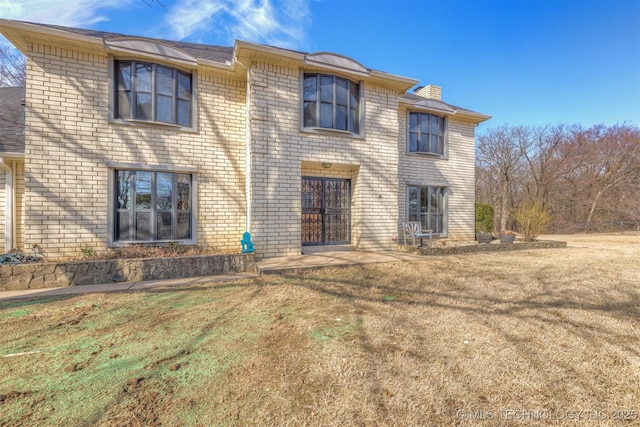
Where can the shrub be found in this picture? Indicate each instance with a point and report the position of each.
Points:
(484, 218)
(533, 219)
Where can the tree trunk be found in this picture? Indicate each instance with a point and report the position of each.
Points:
(593, 208)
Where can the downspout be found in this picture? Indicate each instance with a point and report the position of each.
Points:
(248, 186)
(9, 189)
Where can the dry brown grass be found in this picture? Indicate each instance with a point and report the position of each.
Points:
(441, 341)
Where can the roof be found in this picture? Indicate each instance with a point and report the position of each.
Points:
(443, 107)
(223, 58)
(11, 120)
(214, 53)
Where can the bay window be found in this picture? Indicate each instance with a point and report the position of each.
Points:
(331, 102)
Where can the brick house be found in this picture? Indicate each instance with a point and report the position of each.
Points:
(130, 139)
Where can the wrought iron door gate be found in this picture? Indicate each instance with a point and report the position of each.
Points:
(326, 211)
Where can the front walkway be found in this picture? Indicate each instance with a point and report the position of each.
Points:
(331, 258)
(265, 266)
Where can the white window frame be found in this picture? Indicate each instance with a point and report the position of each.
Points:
(114, 167)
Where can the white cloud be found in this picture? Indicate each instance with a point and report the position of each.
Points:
(78, 13)
(280, 23)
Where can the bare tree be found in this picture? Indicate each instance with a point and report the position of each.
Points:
(588, 178)
(500, 157)
(610, 159)
(547, 154)
(13, 67)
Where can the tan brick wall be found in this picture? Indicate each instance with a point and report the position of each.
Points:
(277, 150)
(457, 171)
(70, 140)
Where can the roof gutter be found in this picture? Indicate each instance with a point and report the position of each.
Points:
(45, 31)
(463, 114)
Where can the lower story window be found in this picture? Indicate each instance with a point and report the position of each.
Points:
(426, 204)
(152, 206)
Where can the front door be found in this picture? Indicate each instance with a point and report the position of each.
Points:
(326, 211)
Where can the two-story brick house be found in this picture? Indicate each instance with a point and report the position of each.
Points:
(130, 140)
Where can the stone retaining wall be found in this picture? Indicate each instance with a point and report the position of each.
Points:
(452, 250)
(54, 275)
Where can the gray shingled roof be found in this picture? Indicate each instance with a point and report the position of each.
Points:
(212, 53)
(11, 119)
(418, 98)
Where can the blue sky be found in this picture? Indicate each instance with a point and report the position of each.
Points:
(523, 62)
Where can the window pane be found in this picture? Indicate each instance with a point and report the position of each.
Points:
(164, 81)
(164, 109)
(184, 113)
(413, 123)
(354, 120)
(310, 114)
(143, 190)
(310, 88)
(413, 142)
(354, 92)
(143, 77)
(423, 143)
(326, 115)
(413, 203)
(341, 117)
(183, 227)
(143, 225)
(124, 105)
(124, 75)
(164, 190)
(435, 125)
(183, 200)
(342, 91)
(424, 199)
(123, 184)
(143, 106)
(433, 203)
(164, 226)
(434, 144)
(123, 226)
(326, 89)
(424, 123)
(184, 86)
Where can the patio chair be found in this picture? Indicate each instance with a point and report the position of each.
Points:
(414, 230)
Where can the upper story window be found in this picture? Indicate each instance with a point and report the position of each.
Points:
(331, 102)
(426, 133)
(153, 93)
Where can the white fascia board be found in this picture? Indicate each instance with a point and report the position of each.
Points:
(466, 114)
(269, 50)
(214, 64)
(51, 32)
(409, 82)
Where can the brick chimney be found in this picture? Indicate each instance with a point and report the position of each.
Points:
(429, 91)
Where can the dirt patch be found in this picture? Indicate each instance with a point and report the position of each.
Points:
(459, 340)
